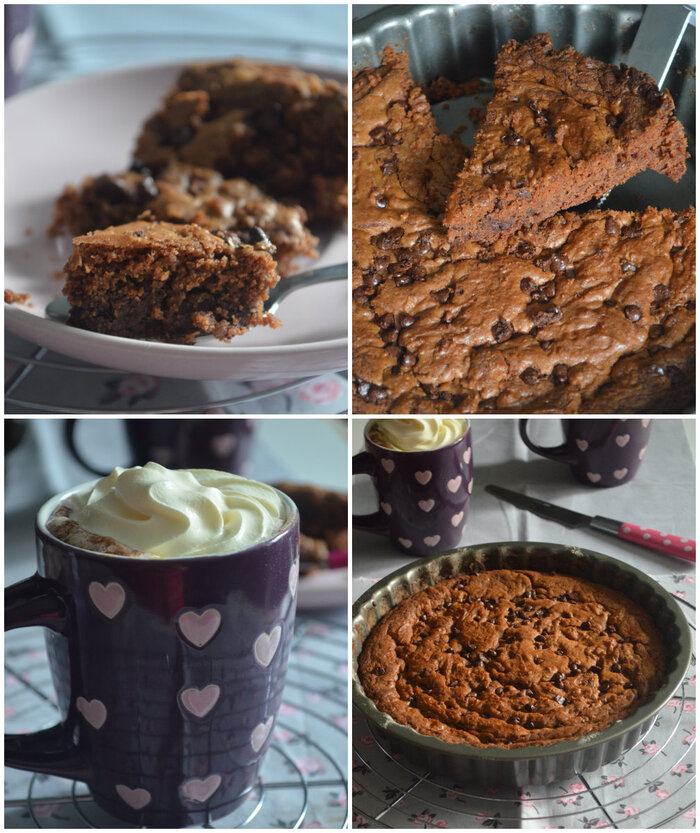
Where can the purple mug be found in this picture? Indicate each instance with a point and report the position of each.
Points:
(599, 452)
(168, 672)
(219, 444)
(423, 495)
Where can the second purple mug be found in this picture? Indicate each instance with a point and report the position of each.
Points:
(423, 495)
(219, 444)
(599, 452)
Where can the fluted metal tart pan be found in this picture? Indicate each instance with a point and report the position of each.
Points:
(529, 764)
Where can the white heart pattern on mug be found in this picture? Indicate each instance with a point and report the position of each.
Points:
(294, 577)
(108, 598)
(470, 486)
(423, 477)
(645, 422)
(136, 798)
(265, 646)
(94, 711)
(454, 484)
(200, 789)
(223, 444)
(642, 452)
(426, 505)
(259, 734)
(456, 519)
(388, 465)
(622, 440)
(200, 701)
(582, 445)
(467, 456)
(199, 628)
(592, 476)
(406, 543)
(431, 540)
(386, 508)
(618, 474)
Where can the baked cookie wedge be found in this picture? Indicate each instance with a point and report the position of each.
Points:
(561, 129)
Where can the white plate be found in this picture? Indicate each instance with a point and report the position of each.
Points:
(60, 133)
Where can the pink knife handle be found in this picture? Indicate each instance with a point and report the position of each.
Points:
(667, 544)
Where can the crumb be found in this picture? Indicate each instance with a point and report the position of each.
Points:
(446, 106)
(17, 298)
(476, 114)
(58, 274)
(443, 89)
(457, 132)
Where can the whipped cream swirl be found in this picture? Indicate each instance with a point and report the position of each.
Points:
(417, 434)
(166, 513)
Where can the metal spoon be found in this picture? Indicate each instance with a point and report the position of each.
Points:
(59, 308)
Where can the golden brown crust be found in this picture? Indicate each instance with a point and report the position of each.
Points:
(512, 658)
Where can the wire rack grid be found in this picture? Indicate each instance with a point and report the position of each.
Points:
(652, 785)
(303, 782)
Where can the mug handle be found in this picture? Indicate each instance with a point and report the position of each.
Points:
(559, 453)
(364, 463)
(70, 427)
(35, 601)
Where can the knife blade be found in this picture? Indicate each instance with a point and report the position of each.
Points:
(671, 545)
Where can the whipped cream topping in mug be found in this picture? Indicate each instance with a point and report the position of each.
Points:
(165, 513)
(417, 434)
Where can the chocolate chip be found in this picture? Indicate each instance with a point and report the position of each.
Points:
(389, 336)
(369, 392)
(585, 626)
(442, 296)
(560, 374)
(611, 226)
(530, 376)
(632, 312)
(370, 277)
(361, 295)
(380, 200)
(403, 280)
(545, 292)
(633, 230)
(390, 166)
(612, 121)
(524, 249)
(626, 266)
(423, 243)
(501, 331)
(544, 314)
(386, 321)
(388, 239)
(528, 286)
(489, 169)
(604, 687)
(404, 320)
(543, 259)
(529, 724)
(412, 702)
(560, 699)
(512, 139)
(546, 344)
(656, 331)
(379, 671)
(408, 359)
(381, 135)
(558, 678)
(608, 302)
(661, 293)
(139, 233)
(558, 263)
(550, 134)
(615, 667)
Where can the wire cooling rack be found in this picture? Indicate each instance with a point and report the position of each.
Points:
(40, 380)
(650, 786)
(303, 780)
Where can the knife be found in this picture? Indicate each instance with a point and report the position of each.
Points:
(649, 538)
